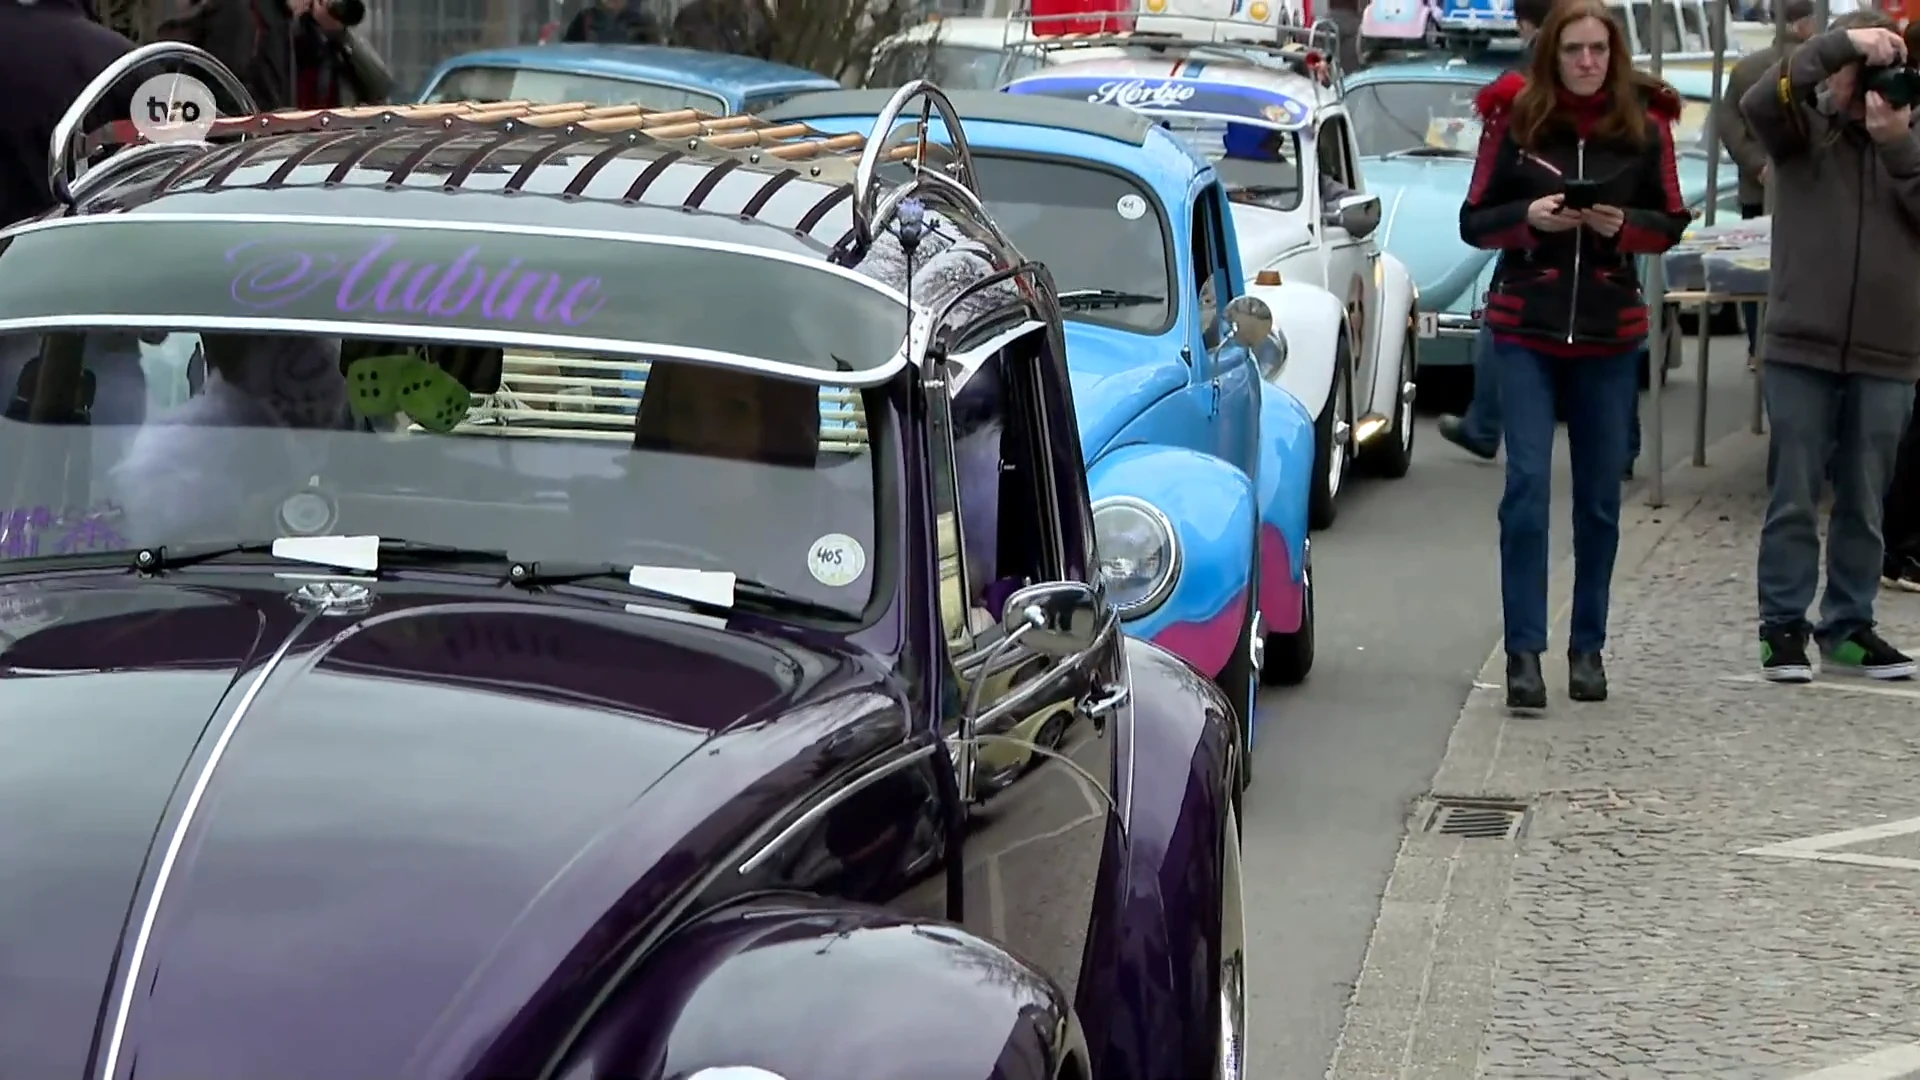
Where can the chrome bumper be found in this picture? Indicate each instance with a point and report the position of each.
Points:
(1456, 326)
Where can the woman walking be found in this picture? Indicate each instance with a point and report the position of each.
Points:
(1575, 179)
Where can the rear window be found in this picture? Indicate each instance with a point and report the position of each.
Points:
(512, 289)
(485, 84)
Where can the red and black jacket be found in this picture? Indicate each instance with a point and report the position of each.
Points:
(1574, 292)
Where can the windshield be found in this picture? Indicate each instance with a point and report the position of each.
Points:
(486, 84)
(203, 436)
(1263, 166)
(1426, 117)
(950, 67)
(1095, 230)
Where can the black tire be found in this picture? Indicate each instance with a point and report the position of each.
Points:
(1239, 681)
(1391, 456)
(1289, 657)
(1323, 497)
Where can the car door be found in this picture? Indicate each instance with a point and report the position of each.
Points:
(1209, 291)
(1230, 368)
(1040, 765)
(1350, 259)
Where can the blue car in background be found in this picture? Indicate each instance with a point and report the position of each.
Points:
(1416, 128)
(651, 76)
(1199, 464)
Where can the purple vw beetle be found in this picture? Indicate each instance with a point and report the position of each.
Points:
(564, 592)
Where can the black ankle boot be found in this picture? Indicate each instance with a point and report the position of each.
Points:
(1586, 677)
(1526, 687)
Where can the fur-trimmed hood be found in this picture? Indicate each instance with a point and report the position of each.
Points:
(1495, 100)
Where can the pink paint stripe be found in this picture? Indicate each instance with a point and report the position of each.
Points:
(1282, 599)
(1209, 644)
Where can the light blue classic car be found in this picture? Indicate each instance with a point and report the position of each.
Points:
(651, 76)
(1417, 132)
(1198, 462)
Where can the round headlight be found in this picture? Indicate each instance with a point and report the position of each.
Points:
(1138, 554)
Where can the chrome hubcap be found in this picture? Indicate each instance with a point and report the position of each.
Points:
(1342, 434)
(1233, 960)
(1407, 392)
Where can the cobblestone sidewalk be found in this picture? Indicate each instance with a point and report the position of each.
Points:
(1632, 931)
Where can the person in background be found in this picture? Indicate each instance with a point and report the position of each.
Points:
(614, 22)
(1841, 350)
(1738, 137)
(289, 54)
(1901, 518)
(740, 27)
(1478, 431)
(49, 52)
(1568, 317)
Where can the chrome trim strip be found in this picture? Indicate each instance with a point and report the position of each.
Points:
(870, 377)
(456, 225)
(143, 937)
(824, 806)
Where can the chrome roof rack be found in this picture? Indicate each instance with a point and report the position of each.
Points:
(941, 176)
(1290, 46)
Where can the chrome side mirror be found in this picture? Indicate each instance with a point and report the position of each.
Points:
(1057, 619)
(1251, 319)
(1358, 214)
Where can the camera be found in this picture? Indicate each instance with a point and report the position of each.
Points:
(347, 12)
(1899, 84)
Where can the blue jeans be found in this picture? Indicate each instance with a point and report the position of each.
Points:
(1482, 423)
(1818, 419)
(1598, 397)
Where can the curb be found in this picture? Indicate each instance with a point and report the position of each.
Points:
(1424, 993)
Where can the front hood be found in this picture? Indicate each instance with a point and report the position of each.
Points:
(1116, 374)
(393, 805)
(1420, 201)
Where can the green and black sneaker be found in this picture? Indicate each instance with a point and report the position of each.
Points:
(1783, 656)
(1864, 653)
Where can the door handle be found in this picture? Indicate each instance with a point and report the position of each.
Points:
(1109, 700)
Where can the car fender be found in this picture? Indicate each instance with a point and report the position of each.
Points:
(1178, 764)
(1313, 320)
(1397, 304)
(1210, 505)
(1284, 482)
(812, 989)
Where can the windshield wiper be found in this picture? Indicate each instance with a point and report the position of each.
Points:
(758, 595)
(389, 552)
(1085, 299)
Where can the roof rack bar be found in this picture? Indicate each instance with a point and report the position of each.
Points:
(64, 161)
(708, 182)
(543, 155)
(407, 164)
(651, 173)
(812, 218)
(767, 191)
(295, 160)
(240, 156)
(615, 147)
(465, 170)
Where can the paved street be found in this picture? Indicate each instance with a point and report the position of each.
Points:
(1716, 876)
(1408, 609)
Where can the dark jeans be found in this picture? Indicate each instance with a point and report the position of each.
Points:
(1901, 523)
(1481, 425)
(1597, 395)
(1750, 312)
(1852, 423)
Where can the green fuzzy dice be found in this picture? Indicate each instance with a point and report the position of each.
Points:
(380, 386)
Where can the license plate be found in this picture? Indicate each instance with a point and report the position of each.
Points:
(1429, 324)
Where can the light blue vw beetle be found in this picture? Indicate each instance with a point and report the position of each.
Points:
(1198, 462)
(1417, 131)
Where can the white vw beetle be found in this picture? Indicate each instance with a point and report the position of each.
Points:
(1268, 114)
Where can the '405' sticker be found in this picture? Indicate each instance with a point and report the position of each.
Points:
(27, 531)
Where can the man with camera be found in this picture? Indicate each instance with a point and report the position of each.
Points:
(1842, 347)
(290, 54)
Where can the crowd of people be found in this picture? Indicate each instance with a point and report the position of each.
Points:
(1575, 180)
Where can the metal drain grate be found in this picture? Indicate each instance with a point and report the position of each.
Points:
(1478, 819)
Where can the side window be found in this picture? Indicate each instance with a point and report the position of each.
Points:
(1209, 264)
(1336, 164)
